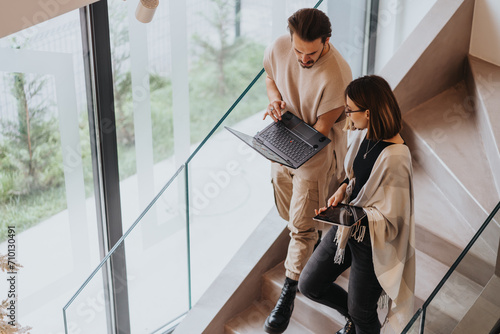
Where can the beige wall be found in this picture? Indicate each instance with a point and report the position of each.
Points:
(485, 40)
(20, 14)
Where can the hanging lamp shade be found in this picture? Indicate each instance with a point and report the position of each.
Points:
(146, 10)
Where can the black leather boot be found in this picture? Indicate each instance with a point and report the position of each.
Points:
(279, 318)
(348, 328)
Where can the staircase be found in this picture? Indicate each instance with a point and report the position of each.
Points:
(450, 102)
(454, 137)
(308, 316)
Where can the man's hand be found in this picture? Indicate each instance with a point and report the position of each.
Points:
(274, 109)
(277, 105)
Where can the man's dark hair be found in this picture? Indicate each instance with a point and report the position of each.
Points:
(309, 24)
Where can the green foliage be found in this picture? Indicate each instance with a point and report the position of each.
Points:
(223, 70)
(161, 117)
(31, 170)
(88, 173)
(30, 158)
(7, 182)
(30, 147)
(25, 211)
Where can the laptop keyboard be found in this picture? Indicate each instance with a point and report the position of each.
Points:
(282, 139)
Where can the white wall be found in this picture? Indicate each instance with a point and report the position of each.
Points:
(397, 19)
(485, 39)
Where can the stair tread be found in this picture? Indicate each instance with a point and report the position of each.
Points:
(483, 315)
(487, 77)
(252, 321)
(324, 316)
(458, 289)
(437, 216)
(434, 212)
(447, 124)
(277, 274)
(429, 274)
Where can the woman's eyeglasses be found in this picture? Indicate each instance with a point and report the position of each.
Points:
(348, 111)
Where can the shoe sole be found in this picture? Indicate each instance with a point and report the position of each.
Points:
(272, 330)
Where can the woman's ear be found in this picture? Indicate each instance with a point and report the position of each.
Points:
(367, 113)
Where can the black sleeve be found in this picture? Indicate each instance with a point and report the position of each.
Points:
(346, 181)
(364, 221)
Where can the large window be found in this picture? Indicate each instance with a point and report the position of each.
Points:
(46, 183)
(172, 80)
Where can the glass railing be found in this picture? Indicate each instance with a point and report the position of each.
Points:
(187, 234)
(199, 222)
(158, 269)
(468, 291)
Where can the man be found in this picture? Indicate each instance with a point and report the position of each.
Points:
(307, 76)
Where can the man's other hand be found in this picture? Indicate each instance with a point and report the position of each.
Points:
(275, 109)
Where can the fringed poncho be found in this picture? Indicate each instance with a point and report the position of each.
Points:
(387, 198)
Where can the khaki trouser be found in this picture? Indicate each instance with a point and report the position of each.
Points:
(298, 192)
(296, 199)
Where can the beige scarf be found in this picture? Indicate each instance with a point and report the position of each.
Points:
(387, 198)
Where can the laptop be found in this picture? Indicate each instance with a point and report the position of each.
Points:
(341, 215)
(290, 141)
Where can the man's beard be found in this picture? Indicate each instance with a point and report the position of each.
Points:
(311, 63)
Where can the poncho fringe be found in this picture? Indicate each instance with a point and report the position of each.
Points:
(387, 198)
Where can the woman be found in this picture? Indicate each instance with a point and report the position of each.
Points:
(380, 249)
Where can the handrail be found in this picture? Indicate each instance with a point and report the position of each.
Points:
(223, 118)
(422, 310)
(412, 321)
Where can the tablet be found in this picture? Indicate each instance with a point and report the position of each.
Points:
(341, 215)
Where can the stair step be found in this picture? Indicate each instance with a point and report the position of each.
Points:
(444, 139)
(312, 315)
(251, 321)
(429, 274)
(483, 82)
(442, 232)
(441, 235)
(453, 300)
(435, 214)
(483, 315)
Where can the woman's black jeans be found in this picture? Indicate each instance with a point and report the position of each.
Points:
(317, 281)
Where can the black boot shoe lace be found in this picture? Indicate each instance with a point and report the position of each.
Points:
(287, 297)
(348, 328)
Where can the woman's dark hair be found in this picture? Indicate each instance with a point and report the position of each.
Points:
(309, 24)
(373, 93)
